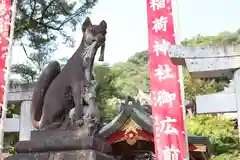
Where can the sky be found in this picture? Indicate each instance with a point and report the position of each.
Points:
(127, 25)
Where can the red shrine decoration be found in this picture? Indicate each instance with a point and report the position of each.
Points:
(167, 111)
(130, 132)
(5, 11)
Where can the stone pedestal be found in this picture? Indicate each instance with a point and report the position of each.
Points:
(67, 155)
(62, 145)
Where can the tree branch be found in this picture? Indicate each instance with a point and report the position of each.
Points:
(81, 10)
(33, 9)
(68, 19)
(48, 26)
(45, 10)
(24, 49)
(25, 52)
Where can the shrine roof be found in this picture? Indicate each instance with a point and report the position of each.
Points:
(135, 112)
(139, 114)
(141, 117)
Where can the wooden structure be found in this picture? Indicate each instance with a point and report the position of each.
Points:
(131, 134)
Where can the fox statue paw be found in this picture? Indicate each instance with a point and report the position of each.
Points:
(79, 123)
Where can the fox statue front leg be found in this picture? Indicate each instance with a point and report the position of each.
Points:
(91, 115)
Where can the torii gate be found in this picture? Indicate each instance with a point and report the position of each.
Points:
(213, 61)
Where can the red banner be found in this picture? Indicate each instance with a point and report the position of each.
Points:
(5, 11)
(167, 111)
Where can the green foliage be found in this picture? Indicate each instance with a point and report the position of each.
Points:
(223, 38)
(131, 78)
(139, 58)
(105, 90)
(10, 139)
(40, 25)
(120, 80)
(26, 72)
(193, 86)
(220, 130)
(13, 109)
(228, 156)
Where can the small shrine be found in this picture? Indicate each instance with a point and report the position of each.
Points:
(130, 134)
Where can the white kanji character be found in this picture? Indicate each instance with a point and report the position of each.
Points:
(167, 128)
(163, 72)
(1, 25)
(161, 47)
(1, 28)
(156, 120)
(170, 153)
(6, 23)
(5, 34)
(162, 97)
(157, 4)
(4, 48)
(158, 141)
(157, 131)
(160, 24)
(7, 17)
(2, 8)
(3, 55)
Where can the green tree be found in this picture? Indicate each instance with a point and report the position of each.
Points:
(40, 25)
(221, 132)
(107, 93)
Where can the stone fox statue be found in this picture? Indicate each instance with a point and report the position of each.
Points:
(58, 91)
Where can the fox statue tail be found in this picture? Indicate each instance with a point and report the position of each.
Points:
(44, 81)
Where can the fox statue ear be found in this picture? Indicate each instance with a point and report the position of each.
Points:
(103, 24)
(87, 23)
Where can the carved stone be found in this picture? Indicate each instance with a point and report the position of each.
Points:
(206, 61)
(62, 144)
(63, 107)
(66, 155)
(59, 91)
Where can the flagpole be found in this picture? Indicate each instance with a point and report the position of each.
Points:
(7, 74)
(177, 30)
